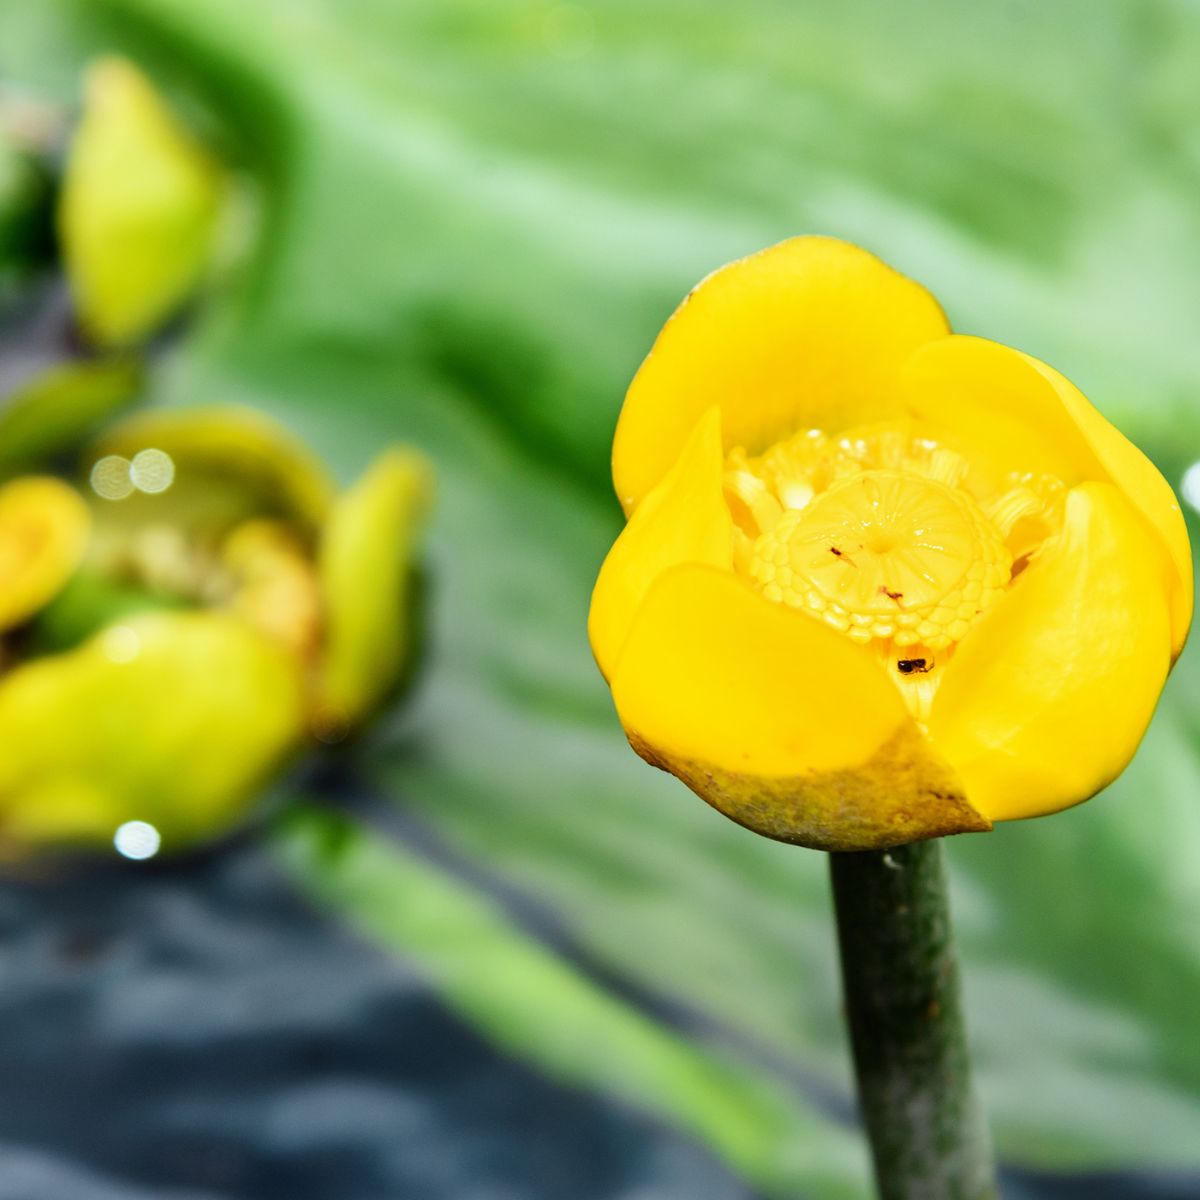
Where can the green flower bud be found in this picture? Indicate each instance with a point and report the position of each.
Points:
(139, 207)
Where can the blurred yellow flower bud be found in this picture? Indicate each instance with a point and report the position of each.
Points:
(211, 606)
(879, 582)
(139, 207)
(366, 566)
(43, 529)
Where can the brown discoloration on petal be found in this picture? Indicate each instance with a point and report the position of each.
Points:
(905, 793)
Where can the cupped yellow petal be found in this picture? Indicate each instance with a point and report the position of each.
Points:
(992, 405)
(684, 520)
(1047, 698)
(367, 572)
(809, 333)
(44, 526)
(1143, 485)
(778, 721)
(1006, 412)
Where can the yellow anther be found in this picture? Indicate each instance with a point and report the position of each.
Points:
(758, 506)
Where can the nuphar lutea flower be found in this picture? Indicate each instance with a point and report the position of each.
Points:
(199, 608)
(879, 582)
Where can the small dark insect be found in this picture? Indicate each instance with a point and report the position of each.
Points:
(906, 666)
(897, 596)
(835, 550)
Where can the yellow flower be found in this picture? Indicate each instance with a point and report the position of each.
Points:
(175, 632)
(879, 582)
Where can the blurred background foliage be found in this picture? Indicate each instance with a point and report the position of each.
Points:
(473, 216)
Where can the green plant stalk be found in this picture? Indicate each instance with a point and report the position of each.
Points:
(902, 1001)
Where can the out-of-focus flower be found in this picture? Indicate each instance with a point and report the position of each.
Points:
(878, 582)
(174, 719)
(202, 607)
(367, 581)
(139, 207)
(43, 530)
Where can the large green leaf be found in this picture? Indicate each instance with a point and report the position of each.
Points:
(478, 214)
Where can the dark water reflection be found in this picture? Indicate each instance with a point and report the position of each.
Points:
(198, 1033)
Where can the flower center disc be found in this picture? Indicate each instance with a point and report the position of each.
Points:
(886, 554)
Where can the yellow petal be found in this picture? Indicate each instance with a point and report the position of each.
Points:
(1047, 698)
(684, 520)
(993, 405)
(139, 207)
(43, 530)
(810, 333)
(1006, 411)
(177, 719)
(366, 572)
(782, 724)
(1143, 485)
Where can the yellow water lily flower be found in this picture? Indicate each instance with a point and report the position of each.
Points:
(879, 582)
(171, 641)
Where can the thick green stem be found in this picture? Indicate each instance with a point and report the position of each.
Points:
(900, 982)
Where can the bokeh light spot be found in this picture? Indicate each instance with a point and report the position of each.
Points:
(1190, 486)
(121, 644)
(137, 840)
(112, 478)
(152, 471)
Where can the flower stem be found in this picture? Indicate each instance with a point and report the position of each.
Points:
(900, 982)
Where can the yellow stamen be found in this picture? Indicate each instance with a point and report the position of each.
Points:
(886, 538)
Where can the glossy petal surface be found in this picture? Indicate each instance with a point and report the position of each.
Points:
(778, 721)
(1008, 412)
(684, 520)
(809, 333)
(1049, 695)
(1143, 485)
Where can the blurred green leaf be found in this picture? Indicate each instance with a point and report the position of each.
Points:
(60, 407)
(534, 1005)
(476, 225)
(25, 198)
